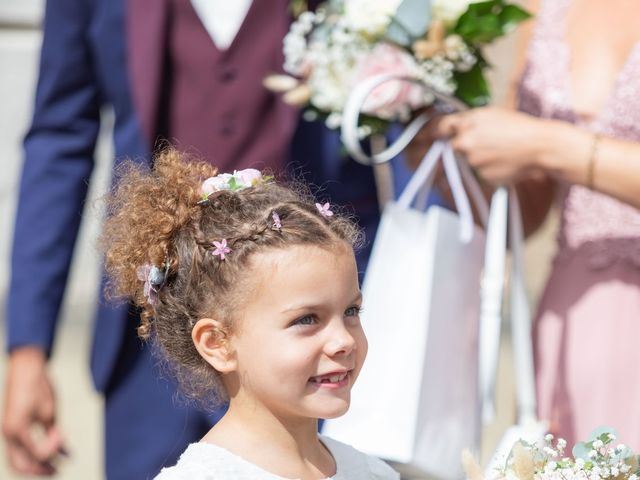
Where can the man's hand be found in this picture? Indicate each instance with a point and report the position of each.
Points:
(28, 425)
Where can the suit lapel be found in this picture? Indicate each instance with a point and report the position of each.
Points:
(146, 31)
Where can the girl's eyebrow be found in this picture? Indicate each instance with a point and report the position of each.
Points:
(295, 308)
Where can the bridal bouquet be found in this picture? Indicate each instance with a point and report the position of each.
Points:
(601, 457)
(436, 43)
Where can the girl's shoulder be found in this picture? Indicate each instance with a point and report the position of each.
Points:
(353, 464)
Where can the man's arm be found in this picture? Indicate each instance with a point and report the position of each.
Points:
(57, 164)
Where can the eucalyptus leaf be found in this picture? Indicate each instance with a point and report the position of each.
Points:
(597, 434)
(414, 16)
(625, 454)
(411, 21)
(398, 34)
(581, 450)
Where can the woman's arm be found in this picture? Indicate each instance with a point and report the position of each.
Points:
(507, 146)
(602, 163)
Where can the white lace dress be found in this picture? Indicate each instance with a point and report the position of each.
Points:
(204, 461)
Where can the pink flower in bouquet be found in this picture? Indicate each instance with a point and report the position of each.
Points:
(394, 99)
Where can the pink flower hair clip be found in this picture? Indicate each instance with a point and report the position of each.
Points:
(277, 224)
(324, 210)
(221, 249)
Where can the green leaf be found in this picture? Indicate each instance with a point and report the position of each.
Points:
(511, 16)
(483, 8)
(377, 125)
(233, 184)
(296, 7)
(472, 88)
(477, 29)
(483, 22)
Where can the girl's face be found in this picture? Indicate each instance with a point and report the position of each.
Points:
(299, 345)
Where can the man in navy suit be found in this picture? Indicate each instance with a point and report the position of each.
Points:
(161, 67)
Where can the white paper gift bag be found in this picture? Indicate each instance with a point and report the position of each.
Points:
(416, 401)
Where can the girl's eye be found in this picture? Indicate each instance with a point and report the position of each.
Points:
(306, 320)
(352, 311)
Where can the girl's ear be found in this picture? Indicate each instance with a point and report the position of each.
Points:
(211, 339)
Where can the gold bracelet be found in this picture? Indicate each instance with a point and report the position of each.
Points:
(591, 165)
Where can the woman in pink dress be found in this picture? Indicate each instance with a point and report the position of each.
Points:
(577, 131)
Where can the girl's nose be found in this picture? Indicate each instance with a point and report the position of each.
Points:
(340, 341)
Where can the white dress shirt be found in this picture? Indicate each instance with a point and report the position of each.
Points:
(222, 18)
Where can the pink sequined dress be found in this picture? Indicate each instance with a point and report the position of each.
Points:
(587, 331)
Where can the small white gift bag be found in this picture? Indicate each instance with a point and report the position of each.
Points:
(416, 401)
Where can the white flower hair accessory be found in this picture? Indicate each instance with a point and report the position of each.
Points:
(234, 182)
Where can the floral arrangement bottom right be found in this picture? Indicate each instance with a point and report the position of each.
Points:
(600, 457)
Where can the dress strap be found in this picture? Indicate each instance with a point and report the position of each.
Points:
(551, 19)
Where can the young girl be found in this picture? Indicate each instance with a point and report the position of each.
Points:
(250, 292)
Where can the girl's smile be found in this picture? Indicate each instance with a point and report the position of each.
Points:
(333, 380)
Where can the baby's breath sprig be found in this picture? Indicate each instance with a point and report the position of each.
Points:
(598, 458)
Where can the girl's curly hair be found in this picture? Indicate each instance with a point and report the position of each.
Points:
(155, 217)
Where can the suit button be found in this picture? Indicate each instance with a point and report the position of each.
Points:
(228, 75)
(227, 130)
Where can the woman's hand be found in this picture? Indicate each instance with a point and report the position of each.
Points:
(502, 145)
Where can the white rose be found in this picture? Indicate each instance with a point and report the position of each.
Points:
(370, 16)
(449, 11)
(214, 184)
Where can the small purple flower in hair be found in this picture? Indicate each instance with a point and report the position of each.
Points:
(277, 224)
(221, 248)
(324, 210)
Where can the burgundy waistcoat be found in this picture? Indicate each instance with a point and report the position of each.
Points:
(213, 101)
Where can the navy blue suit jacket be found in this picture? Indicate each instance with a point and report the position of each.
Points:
(81, 70)
(84, 67)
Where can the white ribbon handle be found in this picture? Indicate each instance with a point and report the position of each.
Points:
(452, 169)
(521, 330)
(491, 290)
(353, 107)
(504, 217)
(421, 175)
